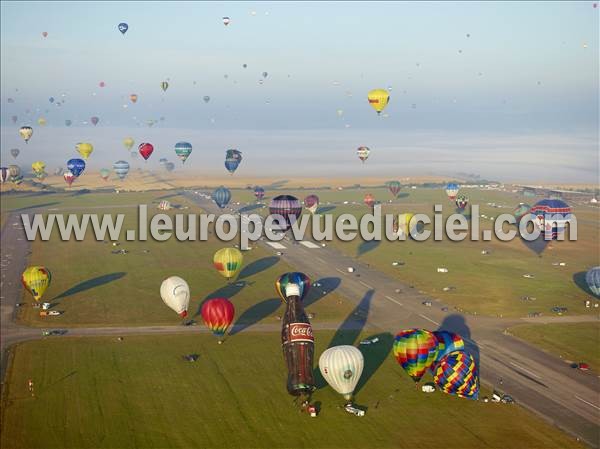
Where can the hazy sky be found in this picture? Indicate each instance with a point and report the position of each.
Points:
(524, 72)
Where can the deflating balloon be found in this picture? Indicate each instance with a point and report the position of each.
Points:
(378, 99)
(26, 132)
(363, 153)
(69, 177)
(592, 279)
(36, 280)
(128, 143)
(175, 293)
(221, 196)
(300, 279)
(183, 150)
(341, 367)
(232, 160)
(259, 193)
(123, 27)
(311, 202)
(85, 149)
(76, 166)
(217, 314)
(228, 261)
(15, 152)
(145, 149)
(457, 374)
(286, 206)
(551, 217)
(121, 168)
(416, 350)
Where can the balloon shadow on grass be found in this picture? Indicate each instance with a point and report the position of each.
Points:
(456, 323)
(255, 314)
(579, 279)
(257, 266)
(348, 331)
(91, 283)
(249, 208)
(325, 209)
(227, 291)
(367, 246)
(374, 355)
(326, 286)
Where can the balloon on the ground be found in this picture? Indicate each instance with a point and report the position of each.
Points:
(121, 168)
(175, 293)
(416, 351)
(36, 280)
(26, 132)
(342, 366)
(85, 149)
(221, 196)
(259, 193)
(69, 177)
(76, 166)
(217, 314)
(145, 150)
(232, 160)
(123, 27)
(363, 153)
(448, 342)
(287, 207)
(378, 99)
(311, 202)
(456, 374)
(551, 217)
(183, 150)
(300, 279)
(592, 279)
(228, 261)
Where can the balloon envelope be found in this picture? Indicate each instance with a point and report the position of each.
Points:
(311, 202)
(457, 374)
(183, 150)
(85, 149)
(146, 150)
(123, 27)
(175, 293)
(76, 166)
(26, 132)
(69, 177)
(221, 196)
(447, 342)
(592, 279)
(551, 217)
(363, 153)
(121, 169)
(259, 193)
(232, 160)
(217, 314)
(341, 367)
(452, 190)
(36, 280)
(378, 99)
(128, 142)
(394, 187)
(15, 152)
(415, 350)
(288, 207)
(228, 261)
(295, 277)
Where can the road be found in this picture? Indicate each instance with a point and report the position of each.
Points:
(538, 381)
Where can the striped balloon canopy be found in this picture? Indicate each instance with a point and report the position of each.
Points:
(416, 350)
(286, 207)
(183, 150)
(217, 314)
(457, 374)
(551, 217)
(228, 261)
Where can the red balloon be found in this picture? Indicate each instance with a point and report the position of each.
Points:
(217, 314)
(45, 34)
(145, 150)
(369, 200)
(69, 177)
(102, 84)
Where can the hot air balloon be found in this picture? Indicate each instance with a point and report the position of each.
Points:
(4, 174)
(447, 342)
(68, 122)
(403, 224)
(226, 21)
(462, 201)
(94, 120)
(104, 173)
(164, 86)
(85, 149)
(592, 279)
(363, 153)
(121, 169)
(311, 202)
(221, 196)
(551, 217)
(170, 166)
(288, 207)
(265, 74)
(145, 149)
(245, 66)
(38, 167)
(36, 280)
(15, 152)
(342, 366)
(69, 177)
(183, 150)
(175, 293)
(51, 99)
(228, 261)
(14, 171)
(133, 98)
(45, 34)
(42, 121)
(164, 205)
(102, 84)
(520, 211)
(378, 99)
(217, 314)
(452, 190)
(76, 166)
(456, 374)
(123, 27)
(416, 350)
(14, 118)
(206, 98)
(295, 277)
(394, 187)
(26, 132)
(259, 193)
(128, 143)
(58, 171)
(232, 160)
(369, 200)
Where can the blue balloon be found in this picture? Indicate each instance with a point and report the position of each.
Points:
(221, 196)
(123, 27)
(68, 122)
(232, 160)
(121, 169)
(76, 166)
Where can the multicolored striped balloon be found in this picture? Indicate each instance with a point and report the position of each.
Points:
(183, 150)
(415, 350)
(221, 196)
(217, 314)
(288, 207)
(228, 261)
(259, 193)
(447, 342)
(295, 277)
(551, 217)
(457, 374)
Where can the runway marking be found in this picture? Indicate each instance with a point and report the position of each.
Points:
(429, 319)
(275, 245)
(343, 272)
(393, 300)
(531, 373)
(588, 403)
(366, 285)
(309, 245)
(320, 260)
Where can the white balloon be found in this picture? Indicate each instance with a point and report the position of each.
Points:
(341, 367)
(175, 293)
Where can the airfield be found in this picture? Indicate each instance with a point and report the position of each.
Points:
(117, 377)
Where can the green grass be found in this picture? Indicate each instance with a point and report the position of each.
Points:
(101, 393)
(578, 342)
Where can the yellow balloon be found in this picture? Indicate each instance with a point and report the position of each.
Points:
(36, 280)
(26, 132)
(42, 121)
(128, 142)
(404, 225)
(85, 149)
(228, 261)
(38, 166)
(378, 99)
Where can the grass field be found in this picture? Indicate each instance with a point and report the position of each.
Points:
(577, 342)
(102, 393)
